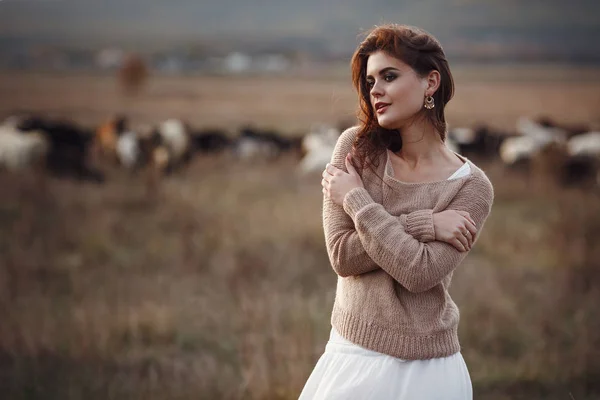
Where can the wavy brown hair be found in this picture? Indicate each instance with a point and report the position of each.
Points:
(423, 53)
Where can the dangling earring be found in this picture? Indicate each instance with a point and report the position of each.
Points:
(429, 104)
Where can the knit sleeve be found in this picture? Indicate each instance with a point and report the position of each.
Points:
(344, 248)
(415, 265)
(419, 224)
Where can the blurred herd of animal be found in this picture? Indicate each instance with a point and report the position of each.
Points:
(567, 153)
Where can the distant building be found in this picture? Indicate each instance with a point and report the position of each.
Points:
(237, 62)
(172, 64)
(109, 58)
(272, 63)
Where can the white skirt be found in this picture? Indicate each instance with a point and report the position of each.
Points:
(347, 371)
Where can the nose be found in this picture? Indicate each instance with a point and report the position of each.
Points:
(376, 90)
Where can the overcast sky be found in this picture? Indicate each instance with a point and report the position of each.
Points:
(154, 19)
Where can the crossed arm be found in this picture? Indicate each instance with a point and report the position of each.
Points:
(362, 236)
(416, 265)
(344, 247)
(369, 238)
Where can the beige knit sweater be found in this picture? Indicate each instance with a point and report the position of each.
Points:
(393, 277)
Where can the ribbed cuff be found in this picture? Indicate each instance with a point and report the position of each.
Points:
(356, 199)
(419, 224)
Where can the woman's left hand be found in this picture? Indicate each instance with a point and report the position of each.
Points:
(337, 183)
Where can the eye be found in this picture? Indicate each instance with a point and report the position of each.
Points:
(369, 83)
(389, 77)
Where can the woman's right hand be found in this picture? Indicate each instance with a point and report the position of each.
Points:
(456, 228)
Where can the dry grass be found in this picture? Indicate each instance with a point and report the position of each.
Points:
(211, 283)
(219, 287)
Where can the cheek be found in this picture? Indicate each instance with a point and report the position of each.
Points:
(409, 94)
(417, 100)
(410, 101)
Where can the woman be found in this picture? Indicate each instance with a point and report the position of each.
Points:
(401, 212)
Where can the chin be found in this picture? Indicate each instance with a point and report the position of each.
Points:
(386, 123)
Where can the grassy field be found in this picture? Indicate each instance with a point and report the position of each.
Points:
(216, 283)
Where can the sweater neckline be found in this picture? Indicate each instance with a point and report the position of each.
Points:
(388, 173)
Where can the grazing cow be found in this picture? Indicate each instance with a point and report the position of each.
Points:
(548, 164)
(541, 134)
(176, 138)
(12, 122)
(128, 149)
(570, 130)
(478, 142)
(282, 144)
(518, 151)
(107, 136)
(164, 147)
(555, 163)
(318, 147)
(553, 158)
(295, 145)
(581, 170)
(68, 148)
(252, 144)
(19, 151)
(583, 164)
(585, 144)
(210, 141)
(252, 149)
(148, 141)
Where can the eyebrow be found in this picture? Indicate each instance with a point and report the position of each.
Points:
(383, 71)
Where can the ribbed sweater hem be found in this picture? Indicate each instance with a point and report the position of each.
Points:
(393, 343)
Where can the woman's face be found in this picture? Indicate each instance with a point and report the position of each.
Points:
(397, 93)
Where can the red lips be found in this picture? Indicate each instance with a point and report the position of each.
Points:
(380, 107)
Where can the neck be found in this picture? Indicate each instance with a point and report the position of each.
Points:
(421, 143)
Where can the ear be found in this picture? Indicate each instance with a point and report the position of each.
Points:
(432, 82)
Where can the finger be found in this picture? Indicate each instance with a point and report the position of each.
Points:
(465, 241)
(326, 176)
(463, 213)
(465, 234)
(462, 238)
(471, 220)
(331, 169)
(472, 228)
(469, 238)
(467, 216)
(324, 183)
(349, 166)
(326, 173)
(456, 243)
